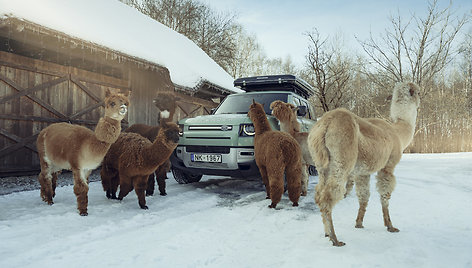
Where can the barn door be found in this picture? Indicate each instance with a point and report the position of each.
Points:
(34, 94)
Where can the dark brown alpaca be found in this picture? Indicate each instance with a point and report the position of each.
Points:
(166, 103)
(66, 146)
(132, 158)
(276, 152)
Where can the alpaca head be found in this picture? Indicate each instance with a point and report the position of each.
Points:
(405, 102)
(116, 104)
(165, 102)
(170, 132)
(256, 111)
(284, 112)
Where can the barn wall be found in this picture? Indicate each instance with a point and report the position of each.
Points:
(34, 94)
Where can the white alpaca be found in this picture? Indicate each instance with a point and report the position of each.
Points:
(346, 147)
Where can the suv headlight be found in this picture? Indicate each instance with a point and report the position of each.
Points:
(246, 130)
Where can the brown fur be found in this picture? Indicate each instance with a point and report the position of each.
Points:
(77, 148)
(164, 101)
(132, 158)
(346, 147)
(286, 113)
(276, 152)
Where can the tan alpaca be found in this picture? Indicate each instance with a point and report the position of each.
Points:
(286, 113)
(132, 158)
(344, 145)
(276, 152)
(166, 103)
(66, 146)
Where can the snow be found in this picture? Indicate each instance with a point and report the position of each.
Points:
(224, 222)
(117, 26)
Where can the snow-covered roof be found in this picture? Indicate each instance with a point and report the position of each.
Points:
(112, 24)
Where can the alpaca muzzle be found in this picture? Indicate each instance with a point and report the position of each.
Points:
(123, 109)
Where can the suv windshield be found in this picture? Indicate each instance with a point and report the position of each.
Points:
(239, 104)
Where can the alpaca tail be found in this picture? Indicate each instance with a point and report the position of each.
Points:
(317, 144)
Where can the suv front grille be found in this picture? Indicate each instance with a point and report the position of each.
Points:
(215, 127)
(207, 149)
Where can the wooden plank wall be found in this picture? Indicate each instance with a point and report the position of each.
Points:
(34, 94)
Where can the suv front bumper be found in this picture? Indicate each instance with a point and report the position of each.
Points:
(238, 162)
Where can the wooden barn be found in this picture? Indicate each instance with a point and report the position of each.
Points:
(48, 76)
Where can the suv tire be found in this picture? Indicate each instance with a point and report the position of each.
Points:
(183, 178)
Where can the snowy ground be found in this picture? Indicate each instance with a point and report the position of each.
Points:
(223, 222)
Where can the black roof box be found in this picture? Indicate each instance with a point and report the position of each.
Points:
(275, 82)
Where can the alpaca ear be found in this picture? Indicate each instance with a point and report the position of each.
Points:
(389, 98)
(128, 94)
(272, 105)
(107, 93)
(412, 89)
(253, 101)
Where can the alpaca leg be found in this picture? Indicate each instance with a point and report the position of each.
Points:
(349, 185)
(81, 190)
(151, 184)
(54, 182)
(161, 177)
(45, 179)
(276, 185)
(106, 175)
(125, 187)
(363, 194)
(294, 184)
(318, 188)
(265, 180)
(304, 178)
(385, 185)
(328, 194)
(140, 184)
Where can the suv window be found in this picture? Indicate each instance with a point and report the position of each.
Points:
(239, 104)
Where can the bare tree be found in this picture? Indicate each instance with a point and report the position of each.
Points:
(328, 70)
(417, 54)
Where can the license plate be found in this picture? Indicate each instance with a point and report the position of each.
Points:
(211, 158)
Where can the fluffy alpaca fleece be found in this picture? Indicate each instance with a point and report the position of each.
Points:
(345, 146)
(166, 104)
(286, 113)
(132, 158)
(66, 146)
(276, 152)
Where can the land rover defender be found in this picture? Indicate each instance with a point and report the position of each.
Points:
(223, 143)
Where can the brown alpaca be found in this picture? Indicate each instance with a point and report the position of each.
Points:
(346, 147)
(132, 158)
(166, 103)
(286, 113)
(276, 152)
(77, 148)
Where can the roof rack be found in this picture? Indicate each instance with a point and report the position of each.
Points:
(275, 82)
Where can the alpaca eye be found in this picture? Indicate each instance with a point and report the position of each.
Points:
(112, 104)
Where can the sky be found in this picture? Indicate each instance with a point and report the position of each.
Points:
(280, 24)
(224, 222)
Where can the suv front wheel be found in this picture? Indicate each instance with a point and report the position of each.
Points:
(183, 177)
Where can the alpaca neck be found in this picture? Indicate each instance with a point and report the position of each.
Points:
(156, 153)
(107, 130)
(262, 124)
(405, 128)
(290, 127)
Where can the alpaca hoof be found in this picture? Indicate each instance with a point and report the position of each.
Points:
(163, 194)
(303, 193)
(144, 207)
(83, 213)
(360, 226)
(272, 205)
(295, 204)
(267, 197)
(149, 194)
(338, 244)
(393, 230)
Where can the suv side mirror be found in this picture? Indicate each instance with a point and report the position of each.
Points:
(212, 110)
(301, 110)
